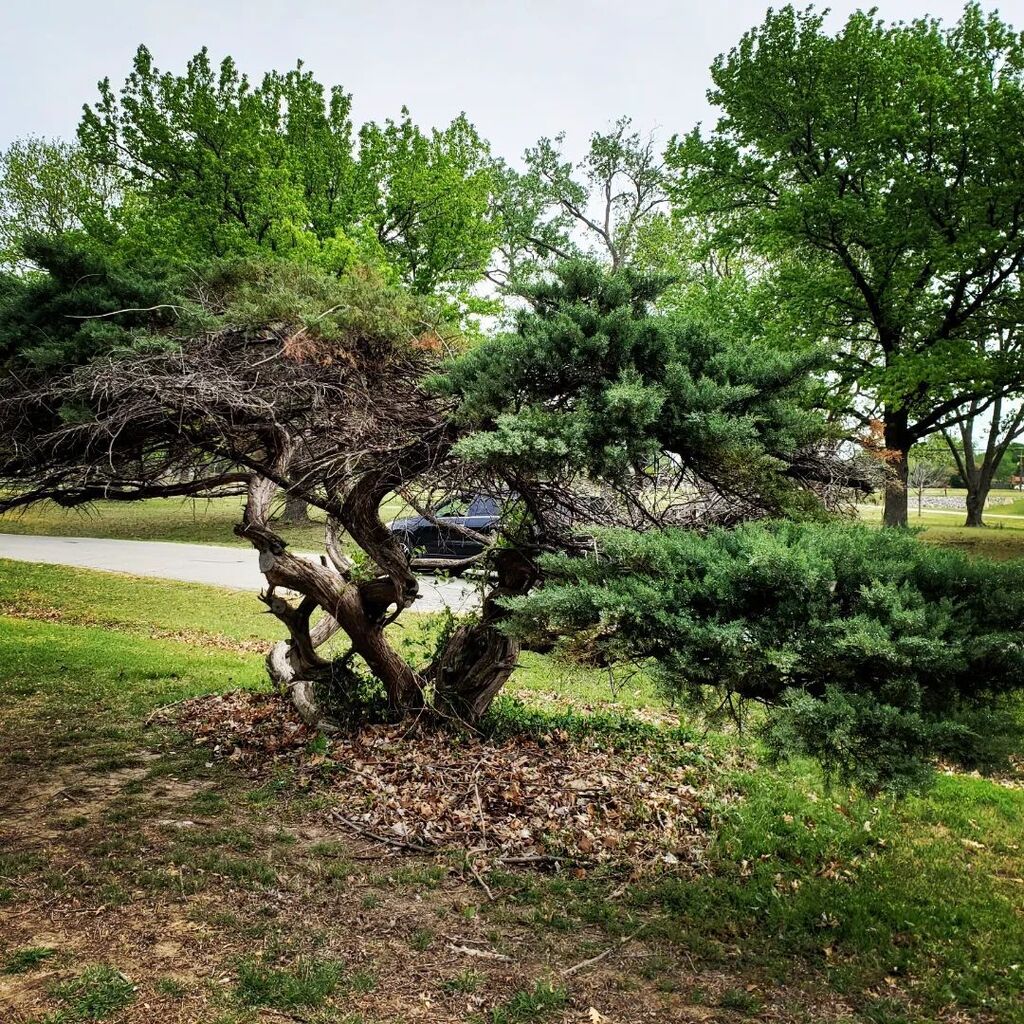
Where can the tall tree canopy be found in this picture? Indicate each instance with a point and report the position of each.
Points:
(49, 188)
(555, 209)
(229, 167)
(890, 159)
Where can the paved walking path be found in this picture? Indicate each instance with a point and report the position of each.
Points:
(212, 564)
(941, 512)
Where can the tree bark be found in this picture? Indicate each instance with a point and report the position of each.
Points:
(296, 510)
(360, 609)
(897, 444)
(976, 497)
(475, 664)
(479, 658)
(978, 488)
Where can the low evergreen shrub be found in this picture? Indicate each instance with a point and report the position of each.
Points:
(868, 650)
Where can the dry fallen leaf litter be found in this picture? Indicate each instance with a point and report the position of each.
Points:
(522, 800)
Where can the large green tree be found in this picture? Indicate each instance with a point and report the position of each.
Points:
(49, 187)
(428, 200)
(281, 376)
(889, 159)
(228, 167)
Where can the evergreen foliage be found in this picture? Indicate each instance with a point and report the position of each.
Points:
(61, 315)
(595, 380)
(866, 649)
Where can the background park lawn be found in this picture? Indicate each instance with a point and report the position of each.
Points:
(213, 521)
(209, 521)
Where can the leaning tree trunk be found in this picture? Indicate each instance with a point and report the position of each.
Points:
(479, 658)
(897, 444)
(360, 608)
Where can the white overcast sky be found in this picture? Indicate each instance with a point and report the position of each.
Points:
(520, 68)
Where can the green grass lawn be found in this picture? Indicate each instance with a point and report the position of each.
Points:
(166, 519)
(813, 904)
(213, 522)
(219, 617)
(196, 522)
(133, 603)
(1000, 539)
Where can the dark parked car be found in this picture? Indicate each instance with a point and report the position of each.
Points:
(422, 538)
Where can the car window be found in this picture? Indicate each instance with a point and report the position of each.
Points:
(483, 506)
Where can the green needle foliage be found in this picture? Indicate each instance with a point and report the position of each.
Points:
(65, 315)
(594, 380)
(868, 650)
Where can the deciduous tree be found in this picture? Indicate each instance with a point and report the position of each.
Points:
(980, 441)
(49, 187)
(890, 159)
(556, 209)
(230, 168)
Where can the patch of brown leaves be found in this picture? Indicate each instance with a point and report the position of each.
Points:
(522, 800)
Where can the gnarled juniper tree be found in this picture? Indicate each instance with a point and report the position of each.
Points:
(595, 410)
(628, 448)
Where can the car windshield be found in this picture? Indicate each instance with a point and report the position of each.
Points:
(483, 506)
(480, 505)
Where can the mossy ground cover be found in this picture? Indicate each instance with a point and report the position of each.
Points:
(145, 878)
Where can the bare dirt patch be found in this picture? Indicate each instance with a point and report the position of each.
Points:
(185, 871)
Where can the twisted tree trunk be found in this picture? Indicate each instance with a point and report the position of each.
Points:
(479, 658)
(358, 608)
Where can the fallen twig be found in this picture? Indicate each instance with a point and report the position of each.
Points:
(157, 712)
(483, 954)
(540, 858)
(600, 956)
(483, 885)
(378, 837)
